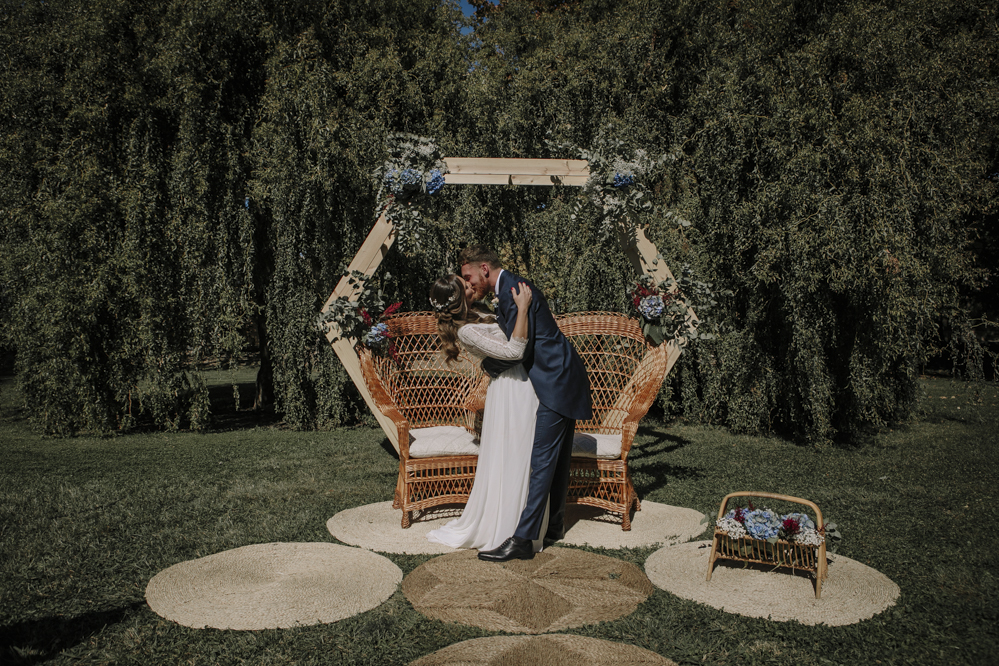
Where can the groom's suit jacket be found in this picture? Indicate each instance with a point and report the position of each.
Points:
(555, 369)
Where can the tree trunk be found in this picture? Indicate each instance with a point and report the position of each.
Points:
(264, 395)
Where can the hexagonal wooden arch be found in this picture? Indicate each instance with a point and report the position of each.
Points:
(481, 171)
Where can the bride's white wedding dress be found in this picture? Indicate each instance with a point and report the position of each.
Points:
(499, 492)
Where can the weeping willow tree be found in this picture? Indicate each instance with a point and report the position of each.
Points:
(180, 173)
(828, 163)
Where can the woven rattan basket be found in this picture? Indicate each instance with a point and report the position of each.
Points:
(781, 555)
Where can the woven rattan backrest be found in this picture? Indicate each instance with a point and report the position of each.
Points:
(424, 388)
(625, 371)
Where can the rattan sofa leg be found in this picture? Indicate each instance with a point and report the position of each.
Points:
(400, 490)
(711, 557)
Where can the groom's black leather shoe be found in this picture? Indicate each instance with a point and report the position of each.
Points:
(513, 548)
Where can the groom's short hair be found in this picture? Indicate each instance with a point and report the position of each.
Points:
(479, 254)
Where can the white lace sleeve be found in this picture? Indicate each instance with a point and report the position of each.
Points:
(489, 340)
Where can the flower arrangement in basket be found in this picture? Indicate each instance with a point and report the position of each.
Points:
(766, 537)
(767, 525)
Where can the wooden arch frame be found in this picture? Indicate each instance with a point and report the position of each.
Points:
(481, 171)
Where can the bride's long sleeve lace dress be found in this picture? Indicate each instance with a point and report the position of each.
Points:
(499, 492)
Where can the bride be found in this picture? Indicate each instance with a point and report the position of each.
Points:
(499, 492)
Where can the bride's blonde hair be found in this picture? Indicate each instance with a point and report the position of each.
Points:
(447, 297)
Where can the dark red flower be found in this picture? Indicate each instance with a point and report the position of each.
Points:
(390, 310)
(368, 321)
(740, 516)
(790, 527)
(394, 353)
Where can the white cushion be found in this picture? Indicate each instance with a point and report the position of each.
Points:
(442, 441)
(589, 445)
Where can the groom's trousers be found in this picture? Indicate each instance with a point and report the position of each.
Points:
(550, 460)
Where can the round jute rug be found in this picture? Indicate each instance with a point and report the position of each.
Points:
(549, 650)
(852, 591)
(273, 586)
(558, 589)
(656, 524)
(377, 527)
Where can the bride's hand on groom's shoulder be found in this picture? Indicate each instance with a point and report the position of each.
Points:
(521, 295)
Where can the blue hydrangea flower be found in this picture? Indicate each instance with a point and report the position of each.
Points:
(623, 180)
(407, 180)
(436, 182)
(762, 524)
(391, 177)
(377, 335)
(651, 306)
(803, 520)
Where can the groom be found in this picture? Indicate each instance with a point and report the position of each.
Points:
(563, 389)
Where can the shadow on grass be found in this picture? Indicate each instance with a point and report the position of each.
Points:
(388, 448)
(767, 568)
(650, 464)
(226, 417)
(35, 641)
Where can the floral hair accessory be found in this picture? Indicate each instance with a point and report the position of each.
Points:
(441, 307)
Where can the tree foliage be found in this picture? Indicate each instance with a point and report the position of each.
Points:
(182, 172)
(179, 174)
(826, 162)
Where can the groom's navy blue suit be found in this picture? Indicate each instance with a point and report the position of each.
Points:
(563, 389)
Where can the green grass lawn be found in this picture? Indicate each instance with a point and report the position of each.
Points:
(86, 522)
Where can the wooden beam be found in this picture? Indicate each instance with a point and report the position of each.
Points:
(512, 179)
(368, 258)
(643, 253)
(514, 166)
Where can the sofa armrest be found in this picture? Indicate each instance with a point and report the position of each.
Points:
(383, 400)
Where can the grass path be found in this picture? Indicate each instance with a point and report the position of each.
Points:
(86, 522)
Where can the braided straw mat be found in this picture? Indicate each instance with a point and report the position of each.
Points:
(273, 586)
(377, 527)
(548, 650)
(558, 589)
(852, 591)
